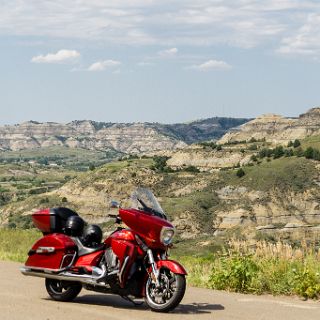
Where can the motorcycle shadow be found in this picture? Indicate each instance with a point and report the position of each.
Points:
(119, 303)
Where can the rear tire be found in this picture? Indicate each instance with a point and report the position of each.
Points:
(170, 293)
(62, 290)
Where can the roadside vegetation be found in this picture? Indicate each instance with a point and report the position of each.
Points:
(264, 268)
(15, 243)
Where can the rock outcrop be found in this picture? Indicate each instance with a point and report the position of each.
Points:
(276, 129)
(206, 160)
(130, 138)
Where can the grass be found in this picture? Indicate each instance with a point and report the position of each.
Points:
(15, 244)
(292, 173)
(276, 269)
(312, 141)
(74, 158)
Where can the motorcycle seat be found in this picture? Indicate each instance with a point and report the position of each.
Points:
(82, 250)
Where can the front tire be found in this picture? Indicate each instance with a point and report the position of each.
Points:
(169, 294)
(62, 290)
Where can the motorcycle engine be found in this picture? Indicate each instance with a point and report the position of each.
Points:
(111, 259)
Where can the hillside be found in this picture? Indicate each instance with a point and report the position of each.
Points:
(276, 129)
(130, 138)
(276, 198)
(254, 187)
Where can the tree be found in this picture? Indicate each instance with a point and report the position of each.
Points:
(278, 152)
(309, 153)
(296, 143)
(219, 147)
(192, 169)
(160, 163)
(92, 167)
(240, 173)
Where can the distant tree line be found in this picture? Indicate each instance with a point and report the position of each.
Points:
(294, 149)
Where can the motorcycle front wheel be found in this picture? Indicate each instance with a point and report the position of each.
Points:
(169, 293)
(62, 290)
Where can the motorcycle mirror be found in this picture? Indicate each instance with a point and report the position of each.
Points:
(114, 204)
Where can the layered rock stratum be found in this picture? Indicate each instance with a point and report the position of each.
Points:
(129, 138)
(276, 129)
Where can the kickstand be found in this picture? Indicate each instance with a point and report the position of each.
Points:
(132, 301)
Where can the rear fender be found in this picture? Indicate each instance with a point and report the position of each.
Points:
(172, 265)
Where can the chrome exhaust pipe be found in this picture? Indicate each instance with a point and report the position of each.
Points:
(66, 276)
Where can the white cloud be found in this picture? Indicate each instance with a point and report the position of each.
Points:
(306, 41)
(168, 53)
(169, 23)
(62, 56)
(212, 65)
(103, 65)
(145, 64)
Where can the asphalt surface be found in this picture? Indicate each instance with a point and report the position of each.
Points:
(26, 298)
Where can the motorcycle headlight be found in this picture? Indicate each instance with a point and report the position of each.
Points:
(166, 235)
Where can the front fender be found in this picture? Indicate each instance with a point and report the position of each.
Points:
(172, 265)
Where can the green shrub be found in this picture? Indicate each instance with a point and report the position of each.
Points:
(253, 147)
(234, 274)
(192, 169)
(240, 173)
(307, 283)
(296, 143)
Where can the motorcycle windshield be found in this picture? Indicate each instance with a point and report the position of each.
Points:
(143, 199)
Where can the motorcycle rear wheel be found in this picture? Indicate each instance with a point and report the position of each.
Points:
(170, 293)
(62, 290)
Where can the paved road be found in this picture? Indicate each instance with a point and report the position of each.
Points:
(26, 298)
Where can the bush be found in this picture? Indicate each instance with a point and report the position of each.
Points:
(309, 153)
(192, 169)
(254, 158)
(253, 147)
(278, 152)
(234, 273)
(240, 173)
(211, 145)
(160, 164)
(296, 143)
(307, 283)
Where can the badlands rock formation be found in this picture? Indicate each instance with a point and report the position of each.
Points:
(276, 129)
(207, 160)
(122, 137)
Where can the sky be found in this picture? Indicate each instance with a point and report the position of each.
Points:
(157, 61)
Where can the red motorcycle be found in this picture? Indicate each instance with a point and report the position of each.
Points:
(131, 262)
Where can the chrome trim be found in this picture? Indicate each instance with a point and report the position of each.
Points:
(123, 268)
(155, 270)
(65, 276)
(45, 250)
(64, 257)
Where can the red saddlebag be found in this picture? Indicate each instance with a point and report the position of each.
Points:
(54, 251)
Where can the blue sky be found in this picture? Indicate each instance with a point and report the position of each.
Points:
(165, 61)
